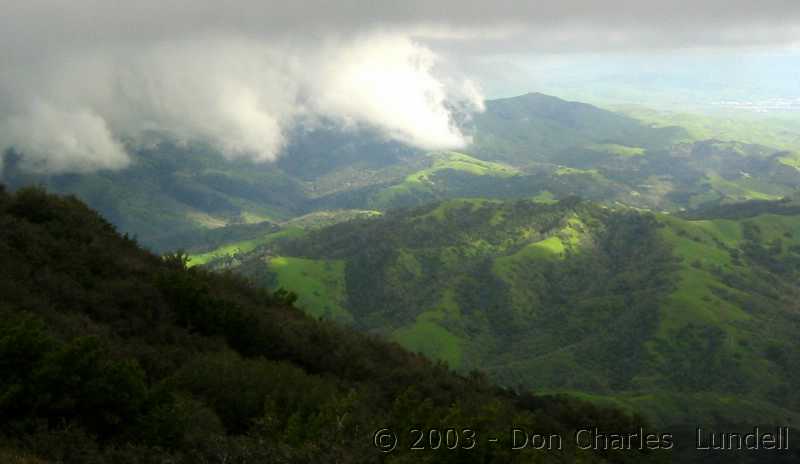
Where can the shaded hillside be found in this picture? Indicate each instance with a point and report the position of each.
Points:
(678, 319)
(111, 354)
(174, 193)
(537, 127)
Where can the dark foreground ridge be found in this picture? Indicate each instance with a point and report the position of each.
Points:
(109, 353)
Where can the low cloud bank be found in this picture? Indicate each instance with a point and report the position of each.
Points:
(68, 112)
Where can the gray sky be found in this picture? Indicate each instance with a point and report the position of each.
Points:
(76, 76)
(576, 24)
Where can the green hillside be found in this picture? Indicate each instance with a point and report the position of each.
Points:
(569, 250)
(223, 247)
(110, 354)
(319, 285)
(536, 143)
(172, 193)
(537, 127)
(660, 314)
(432, 183)
(232, 249)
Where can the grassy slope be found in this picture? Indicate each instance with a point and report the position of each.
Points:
(507, 268)
(703, 245)
(424, 182)
(693, 301)
(243, 246)
(319, 284)
(704, 248)
(428, 336)
(292, 228)
(445, 326)
(617, 149)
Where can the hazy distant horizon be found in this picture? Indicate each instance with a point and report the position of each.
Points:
(692, 80)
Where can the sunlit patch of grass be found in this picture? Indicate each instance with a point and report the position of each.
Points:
(206, 221)
(253, 218)
(510, 268)
(744, 189)
(457, 204)
(319, 285)
(553, 247)
(728, 231)
(546, 197)
(693, 301)
(791, 159)
(244, 246)
(427, 336)
(617, 150)
(421, 182)
(568, 171)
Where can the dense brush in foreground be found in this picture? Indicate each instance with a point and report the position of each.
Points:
(109, 353)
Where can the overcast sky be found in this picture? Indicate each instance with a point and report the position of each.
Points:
(78, 76)
(578, 24)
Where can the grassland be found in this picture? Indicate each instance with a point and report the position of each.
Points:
(291, 228)
(318, 283)
(553, 247)
(510, 268)
(745, 189)
(791, 159)
(444, 208)
(568, 171)
(424, 182)
(617, 150)
(428, 336)
(694, 300)
(546, 197)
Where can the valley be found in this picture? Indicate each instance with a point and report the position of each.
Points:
(417, 232)
(612, 257)
(541, 296)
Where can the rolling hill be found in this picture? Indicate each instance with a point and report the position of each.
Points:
(537, 127)
(673, 317)
(569, 250)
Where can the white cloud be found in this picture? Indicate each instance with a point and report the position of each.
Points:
(241, 95)
(56, 140)
(390, 82)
